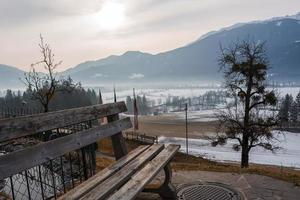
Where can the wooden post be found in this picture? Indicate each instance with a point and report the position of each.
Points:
(118, 140)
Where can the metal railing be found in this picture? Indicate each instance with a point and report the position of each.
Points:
(54, 177)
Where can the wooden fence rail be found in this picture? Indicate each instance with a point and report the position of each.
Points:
(141, 137)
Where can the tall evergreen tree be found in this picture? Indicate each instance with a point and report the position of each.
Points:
(100, 100)
(285, 110)
(129, 104)
(297, 101)
(294, 113)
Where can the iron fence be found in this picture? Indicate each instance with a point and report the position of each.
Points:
(8, 112)
(54, 177)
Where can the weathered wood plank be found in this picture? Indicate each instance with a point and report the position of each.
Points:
(27, 125)
(104, 189)
(118, 141)
(145, 175)
(16, 162)
(91, 183)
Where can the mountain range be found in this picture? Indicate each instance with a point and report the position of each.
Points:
(195, 61)
(10, 77)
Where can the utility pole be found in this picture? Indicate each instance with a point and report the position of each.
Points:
(186, 130)
(115, 95)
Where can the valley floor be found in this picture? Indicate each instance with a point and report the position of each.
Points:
(172, 125)
(170, 128)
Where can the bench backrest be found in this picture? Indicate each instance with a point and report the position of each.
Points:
(13, 128)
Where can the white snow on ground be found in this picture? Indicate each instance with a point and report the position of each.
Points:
(155, 94)
(35, 191)
(288, 90)
(288, 155)
(278, 23)
(163, 94)
(208, 115)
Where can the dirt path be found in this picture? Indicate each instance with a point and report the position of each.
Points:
(170, 127)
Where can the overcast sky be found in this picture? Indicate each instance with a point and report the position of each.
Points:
(81, 30)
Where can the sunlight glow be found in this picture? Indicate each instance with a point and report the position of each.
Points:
(111, 15)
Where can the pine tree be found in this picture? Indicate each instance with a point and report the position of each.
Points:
(129, 104)
(294, 113)
(145, 105)
(285, 110)
(297, 101)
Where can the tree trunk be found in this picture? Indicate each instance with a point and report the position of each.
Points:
(245, 153)
(46, 109)
(245, 141)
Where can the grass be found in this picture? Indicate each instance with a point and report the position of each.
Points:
(182, 162)
(192, 163)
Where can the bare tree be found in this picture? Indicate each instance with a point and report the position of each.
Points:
(44, 85)
(245, 70)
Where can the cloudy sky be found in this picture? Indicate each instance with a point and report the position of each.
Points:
(81, 30)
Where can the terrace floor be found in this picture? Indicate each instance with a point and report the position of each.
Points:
(251, 186)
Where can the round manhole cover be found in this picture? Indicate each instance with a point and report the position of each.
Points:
(207, 192)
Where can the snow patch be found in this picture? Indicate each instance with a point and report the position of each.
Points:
(136, 76)
(288, 155)
(97, 75)
(279, 23)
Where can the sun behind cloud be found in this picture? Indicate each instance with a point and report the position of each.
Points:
(111, 16)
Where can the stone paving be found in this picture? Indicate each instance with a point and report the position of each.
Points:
(251, 186)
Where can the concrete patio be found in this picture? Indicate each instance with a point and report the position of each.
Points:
(250, 186)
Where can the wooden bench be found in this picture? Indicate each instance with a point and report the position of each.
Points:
(124, 179)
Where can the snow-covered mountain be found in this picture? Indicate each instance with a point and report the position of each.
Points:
(10, 77)
(195, 61)
(199, 60)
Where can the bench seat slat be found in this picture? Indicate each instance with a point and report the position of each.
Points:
(145, 175)
(92, 182)
(43, 152)
(27, 125)
(104, 189)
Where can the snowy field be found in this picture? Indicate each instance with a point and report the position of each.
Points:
(207, 115)
(288, 155)
(288, 90)
(163, 94)
(158, 94)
